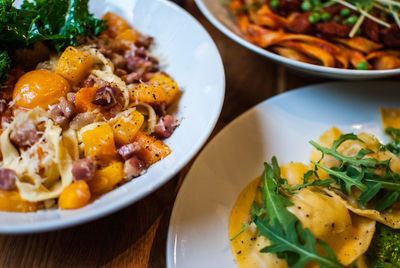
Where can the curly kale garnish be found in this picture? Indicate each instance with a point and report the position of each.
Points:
(5, 63)
(57, 23)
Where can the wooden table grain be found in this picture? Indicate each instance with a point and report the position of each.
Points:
(136, 235)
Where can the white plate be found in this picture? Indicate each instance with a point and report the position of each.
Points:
(192, 59)
(281, 126)
(219, 15)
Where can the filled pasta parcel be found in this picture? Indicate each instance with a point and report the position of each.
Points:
(341, 210)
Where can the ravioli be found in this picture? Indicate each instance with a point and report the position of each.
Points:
(390, 117)
(348, 234)
(351, 148)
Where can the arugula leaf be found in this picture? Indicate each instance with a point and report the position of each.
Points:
(255, 211)
(288, 238)
(296, 240)
(274, 203)
(356, 160)
(358, 171)
(386, 201)
(394, 145)
(343, 176)
(320, 183)
(371, 192)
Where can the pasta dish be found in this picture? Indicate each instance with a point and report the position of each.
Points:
(347, 34)
(83, 105)
(342, 210)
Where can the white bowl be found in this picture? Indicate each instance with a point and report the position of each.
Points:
(281, 126)
(192, 59)
(220, 16)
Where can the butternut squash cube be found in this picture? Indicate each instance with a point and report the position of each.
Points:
(169, 85)
(116, 24)
(74, 196)
(11, 201)
(107, 178)
(149, 93)
(99, 143)
(39, 88)
(126, 125)
(153, 149)
(74, 65)
(129, 35)
(83, 99)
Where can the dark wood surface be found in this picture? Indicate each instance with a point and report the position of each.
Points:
(136, 236)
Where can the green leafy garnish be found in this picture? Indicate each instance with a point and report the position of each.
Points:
(357, 160)
(359, 171)
(394, 145)
(57, 23)
(306, 183)
(5, 63)
(289, 240)
(384, 251)
(344, 178)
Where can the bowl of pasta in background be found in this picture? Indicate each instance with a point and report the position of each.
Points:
(221, 17)
(189, 55)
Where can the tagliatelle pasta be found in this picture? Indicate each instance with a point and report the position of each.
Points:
(84, 121)
(45, 168)
(328, 33)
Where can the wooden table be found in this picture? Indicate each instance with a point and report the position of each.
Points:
(136, 236)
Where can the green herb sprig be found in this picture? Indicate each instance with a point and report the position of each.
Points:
(289, 240)
(359, 171)
(394, 145)
(58, 23)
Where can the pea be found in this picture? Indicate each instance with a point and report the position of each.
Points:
(306, 6)
(352, 20)
(325, 16)
(345, 12)
(274, 3)
(314, 17)
(362, 65)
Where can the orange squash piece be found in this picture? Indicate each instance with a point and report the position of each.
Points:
(169, 85)
(39, 88)
(74, 65)
(107, 178)
(126, 125)
(83, 99)
(11, 201)
(148, 93)
(116, 24)
(99, 143)
(153, 149)
(129, 35)
(75, 195)
(159, 89)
